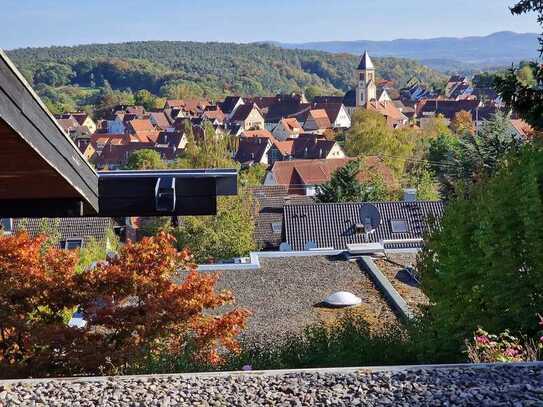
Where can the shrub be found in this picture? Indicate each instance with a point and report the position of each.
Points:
(348, 342)
(484, 265)
(131, 305)
(487, 348)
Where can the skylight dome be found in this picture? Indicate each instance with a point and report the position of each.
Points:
(342, 299)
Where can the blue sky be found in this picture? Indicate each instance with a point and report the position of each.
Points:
(63, 22)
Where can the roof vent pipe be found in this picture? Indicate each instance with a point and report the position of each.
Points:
(410, 195)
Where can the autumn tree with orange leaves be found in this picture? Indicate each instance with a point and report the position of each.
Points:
(462, 123)
(147, 299)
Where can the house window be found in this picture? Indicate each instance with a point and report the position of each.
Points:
(71, 244)
(398, 226)
(6, 225)
(276, 227)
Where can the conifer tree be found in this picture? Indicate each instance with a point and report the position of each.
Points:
(343, 186)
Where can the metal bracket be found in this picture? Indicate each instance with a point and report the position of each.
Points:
(165, 195)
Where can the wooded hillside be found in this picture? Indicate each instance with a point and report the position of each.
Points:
(206, 69)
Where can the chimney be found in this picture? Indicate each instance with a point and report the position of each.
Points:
(410, 195)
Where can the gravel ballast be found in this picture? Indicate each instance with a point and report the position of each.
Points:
(464, 386)
(282, 294)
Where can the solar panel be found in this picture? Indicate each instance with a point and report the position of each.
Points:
(276, 227)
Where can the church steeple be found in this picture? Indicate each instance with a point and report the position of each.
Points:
(366, 90)
(365, 62)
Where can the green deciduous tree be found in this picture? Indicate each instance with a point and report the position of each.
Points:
(53, 74)
(484, 266)
(147, 100)
(518, 87)
(224, 236)
(145, 159)
(370, 135)
(252, 176)
(210, 150)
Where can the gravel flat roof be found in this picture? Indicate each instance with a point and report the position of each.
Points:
(282, 294)
(463, 385)
(393, 268)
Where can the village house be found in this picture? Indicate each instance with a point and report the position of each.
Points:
(403, 225)
(337, 114)
(317, 122)
(82, 119)
(248, 117)
(160, 121)
(215, 114)
(286, 107)
(269, 205)
(187, 107)
(230, 105)
(427, 109)
(70, 233)
(141, 131)
(302, 177)
(114, 156)
(287, 128)
(253, 150)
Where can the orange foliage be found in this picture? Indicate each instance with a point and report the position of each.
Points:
(462, 123)
(133, 306)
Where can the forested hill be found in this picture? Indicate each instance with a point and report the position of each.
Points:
(211, 69)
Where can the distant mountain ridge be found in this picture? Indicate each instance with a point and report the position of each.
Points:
(445, 53)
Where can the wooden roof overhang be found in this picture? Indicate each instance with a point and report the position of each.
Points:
(43, 173)
(41, 170)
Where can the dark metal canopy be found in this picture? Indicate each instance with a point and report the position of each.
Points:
(43, 173)
(159, 193)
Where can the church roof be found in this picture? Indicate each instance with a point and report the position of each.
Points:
(349, 100)
(365, 62)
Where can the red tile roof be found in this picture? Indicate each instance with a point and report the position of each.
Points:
(291, 124)
(257, 133)
(320, 117)
(389, 110)
(160, 119)
(296, 173)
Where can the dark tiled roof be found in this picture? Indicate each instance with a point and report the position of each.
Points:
(171, 139)
(229, 103)
(448, 108)
(333, 225)
(287, 108)
(328, 99)
(308, 146)
(118, 154)
(350, 98)
(251, 149)
(68, 228)
(271, 200)
(243, 112)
